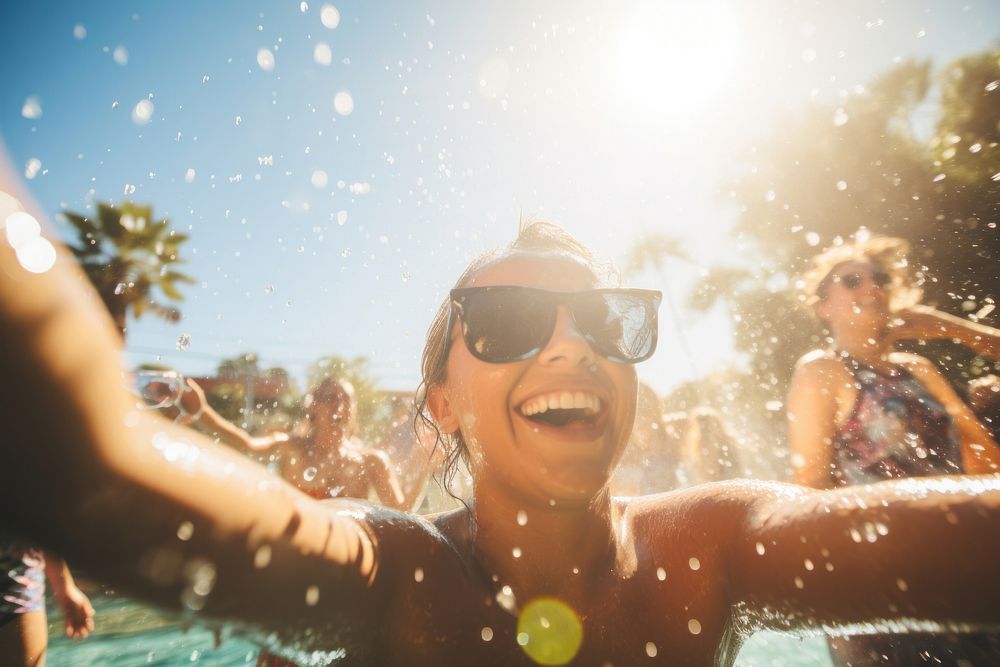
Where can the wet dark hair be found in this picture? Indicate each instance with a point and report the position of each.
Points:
(534, 237)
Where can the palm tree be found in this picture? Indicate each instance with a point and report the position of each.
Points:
(126, 254)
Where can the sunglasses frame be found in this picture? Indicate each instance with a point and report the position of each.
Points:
(651, 297)
(881, 279)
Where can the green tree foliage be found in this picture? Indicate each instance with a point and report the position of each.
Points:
(130, 258)
(374, 409)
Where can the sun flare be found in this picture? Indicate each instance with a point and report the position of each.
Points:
(674, 57)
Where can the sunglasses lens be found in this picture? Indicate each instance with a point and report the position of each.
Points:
(619, 326)
(851, 281)
(506, 323)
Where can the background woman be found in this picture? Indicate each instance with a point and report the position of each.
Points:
(860, 413)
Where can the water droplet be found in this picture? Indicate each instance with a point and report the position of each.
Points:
(341, 218)
(32, 168)
(312, 596)
(840, 118)
(32, 108)
(79, 31)
(516, 551)
(841, 185)
(812, 238)
(486, 633)
(37, 255)
(239, 121)
(128, 189)
(694, 563)
(262, 557)
(418, 574)
(322, 54)
(902, 585)
(760, 549)
(329, 16)
(265, 59)
(143, 112)
(651, 649)
(189, 176)
(303, 7)
(505, 598)
(522, 518)
(799, 583)
(309, 474)
(343, 103)
(183, 342)
(120, 55)
(318, 179)
(808, 55)
(185, 531)
(195, 655)
(808, 565)
(694, 626)
(661, 574)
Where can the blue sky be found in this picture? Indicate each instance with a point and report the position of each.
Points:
(317, 233)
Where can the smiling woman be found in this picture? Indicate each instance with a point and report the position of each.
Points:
(673, 57)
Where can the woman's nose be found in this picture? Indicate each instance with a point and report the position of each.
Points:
(567, 344)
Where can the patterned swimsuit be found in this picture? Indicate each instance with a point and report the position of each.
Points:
(898, 429)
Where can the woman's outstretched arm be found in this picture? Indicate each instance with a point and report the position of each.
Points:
(151, 507)
(919, 549)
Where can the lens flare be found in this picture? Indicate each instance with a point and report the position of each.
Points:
(549, 631)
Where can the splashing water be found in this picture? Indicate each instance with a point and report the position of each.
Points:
(184, 342)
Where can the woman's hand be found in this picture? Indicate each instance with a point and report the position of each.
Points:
(77, 611)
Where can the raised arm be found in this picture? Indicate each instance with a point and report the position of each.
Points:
(909, 549)
(812, 409)
(194, 525)
(196, 411)
(980, 452)
(924, 322)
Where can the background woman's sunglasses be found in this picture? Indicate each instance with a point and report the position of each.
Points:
(506, 323)
(853, 281)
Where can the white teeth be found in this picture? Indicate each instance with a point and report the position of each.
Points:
(564, 400)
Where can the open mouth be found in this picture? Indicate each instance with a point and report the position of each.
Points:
(562, 408)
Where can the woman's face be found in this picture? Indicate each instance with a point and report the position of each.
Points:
(857, 296)
(533, 455)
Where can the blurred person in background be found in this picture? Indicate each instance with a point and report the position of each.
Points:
(327, 460)
(24, 628)
(859, 412)
(708, 448)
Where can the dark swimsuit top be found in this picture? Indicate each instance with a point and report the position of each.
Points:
(895, 429)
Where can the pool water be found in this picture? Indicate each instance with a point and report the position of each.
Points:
(128, 634)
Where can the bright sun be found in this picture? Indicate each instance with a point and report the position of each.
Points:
(673, 57)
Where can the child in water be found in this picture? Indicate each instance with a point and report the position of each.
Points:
(528, 372)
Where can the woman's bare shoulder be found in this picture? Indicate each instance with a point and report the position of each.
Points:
(819, 366)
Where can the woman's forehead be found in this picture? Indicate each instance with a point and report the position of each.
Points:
(859, 264)
(552, 271)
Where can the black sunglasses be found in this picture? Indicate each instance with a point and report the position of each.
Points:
(853, 281)
(505, 323)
